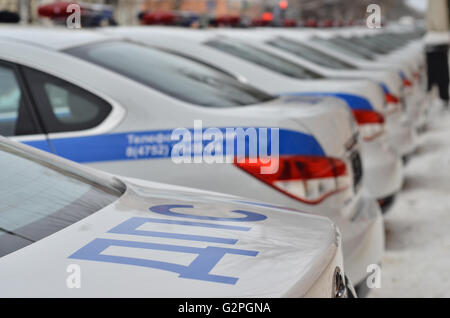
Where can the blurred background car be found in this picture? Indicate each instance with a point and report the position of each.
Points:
(403, 134)
(272, 73)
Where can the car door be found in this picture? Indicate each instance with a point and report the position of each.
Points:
(18, 118)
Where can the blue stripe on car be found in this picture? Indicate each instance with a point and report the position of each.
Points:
(353, 101)
(155, 144)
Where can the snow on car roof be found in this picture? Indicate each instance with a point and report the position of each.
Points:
(191, 35)
(53, 38)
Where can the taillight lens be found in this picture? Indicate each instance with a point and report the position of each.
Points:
(371, 123)
(393, 104)
(407, 83)
(310, 179)
(392, 98)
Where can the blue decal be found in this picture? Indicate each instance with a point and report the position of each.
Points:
(385, 88)
(353, 101)
(40, 144)
(197, 224)
(199, 269)
(166, 210)
(130, 227)
(157, 145)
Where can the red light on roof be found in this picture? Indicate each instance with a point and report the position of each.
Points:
(158, 17)
(327, 23)
(283, 4)
(289, 23)
(267, 17)
(231, 20)
(311, 23)
(55, 10)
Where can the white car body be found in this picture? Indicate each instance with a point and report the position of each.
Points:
(134, 238)
(382, 165)
(387, 77)
(411, 60)
(402, 130)
(143, 117)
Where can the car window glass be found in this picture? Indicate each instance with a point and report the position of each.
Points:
(342, 48)
(263, 58)
(310, 54)
(171, 74)
(14, 116)
(37, 200)
(64, 106)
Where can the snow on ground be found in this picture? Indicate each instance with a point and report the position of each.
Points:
(417, 259)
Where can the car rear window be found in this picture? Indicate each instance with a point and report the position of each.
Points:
(345, 48)
(172, 74)
(38, 199)
(370, 44)
(310, 54)
(262, 58)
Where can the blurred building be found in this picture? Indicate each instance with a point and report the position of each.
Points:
(126, 11)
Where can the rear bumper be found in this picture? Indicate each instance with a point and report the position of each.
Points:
(416, 106)
(402, 134)
(369, 248)
(383, 168)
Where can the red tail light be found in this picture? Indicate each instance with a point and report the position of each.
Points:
(371, 123)
(310, 179)
(393, 104)
(407, 83)
(392, 99)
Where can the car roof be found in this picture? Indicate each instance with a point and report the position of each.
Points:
(56, 38)
(192, 35)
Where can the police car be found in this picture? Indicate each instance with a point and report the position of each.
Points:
(71, 231)
(403, 133)
(115, 105)
(382, 165)
(406, 57)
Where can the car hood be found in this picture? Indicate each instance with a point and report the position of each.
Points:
(164, 241)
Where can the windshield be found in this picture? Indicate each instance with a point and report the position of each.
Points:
(345, 48)
(310, 54)
(262, 58)
(38, 199)
(172, 74)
